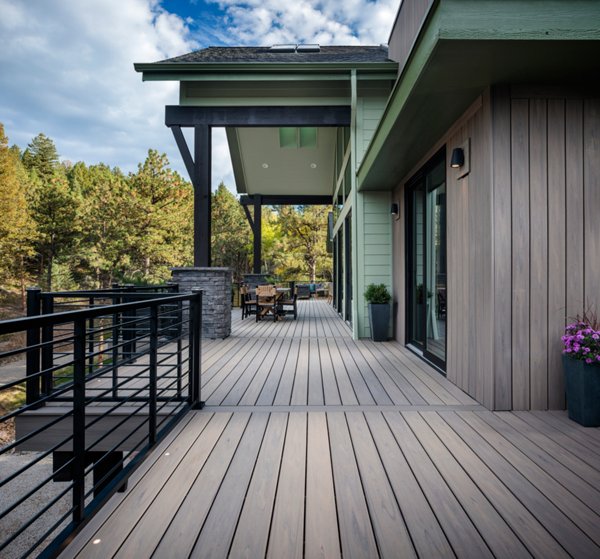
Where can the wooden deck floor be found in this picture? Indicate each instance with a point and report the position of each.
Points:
(315, 445)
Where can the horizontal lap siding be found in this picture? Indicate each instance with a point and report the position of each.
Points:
(554, 236)
(373, 218)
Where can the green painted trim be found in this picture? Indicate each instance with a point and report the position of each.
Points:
(356, 319)
(399, 95)
(510, 21)
(156, 71)
(343, 213)
(270, 77)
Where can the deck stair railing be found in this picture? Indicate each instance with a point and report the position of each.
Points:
(102, 385)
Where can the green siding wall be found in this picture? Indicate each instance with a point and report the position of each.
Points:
(374, 249)
(370, 110)
(372, 218)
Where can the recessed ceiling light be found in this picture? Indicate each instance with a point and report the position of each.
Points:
(313, 165)
(265, 165)
(96, 541)
(167, 454)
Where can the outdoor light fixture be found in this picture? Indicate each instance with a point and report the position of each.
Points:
(395, 209)
(265, 165)
(458, 158)
(313, 165)
(461, 159)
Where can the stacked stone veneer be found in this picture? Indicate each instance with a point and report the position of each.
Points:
(215, 284)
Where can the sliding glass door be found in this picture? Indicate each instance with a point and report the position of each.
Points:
(426, 260)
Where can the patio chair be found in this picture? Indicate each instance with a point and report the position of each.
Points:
(288, 305)
(303, 291)
(247, 302)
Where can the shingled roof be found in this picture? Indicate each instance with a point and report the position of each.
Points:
(237, 55)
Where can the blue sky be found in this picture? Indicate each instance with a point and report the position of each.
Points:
(66, 66)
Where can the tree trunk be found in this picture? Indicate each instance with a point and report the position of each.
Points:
(49, 276)
(22, 281)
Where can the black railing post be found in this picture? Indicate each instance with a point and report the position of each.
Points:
(32, 367)
(178, 330)
(115, 343)
(48, 347)
(91, 340)
(129, 330)
(152, 385)
(195, 348)
(79, 419)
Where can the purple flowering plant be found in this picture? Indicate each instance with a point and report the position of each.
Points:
(582, 339)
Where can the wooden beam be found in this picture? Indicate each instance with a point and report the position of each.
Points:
(249, 217)
(320, 116)
(291, 200)
(184, 150)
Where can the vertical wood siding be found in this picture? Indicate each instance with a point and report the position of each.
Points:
(409, 21)
(470, 242)
(523, 243)
(554, 233)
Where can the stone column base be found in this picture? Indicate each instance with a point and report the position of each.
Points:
(216, 298)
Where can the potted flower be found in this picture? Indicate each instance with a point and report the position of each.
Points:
(378, 297)
(581, 361)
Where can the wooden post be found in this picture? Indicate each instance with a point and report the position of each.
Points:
(202, 196)
(257, 230)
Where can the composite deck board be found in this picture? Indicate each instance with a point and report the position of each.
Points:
(313, 444)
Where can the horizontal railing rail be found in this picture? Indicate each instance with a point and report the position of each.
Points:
(101, 385)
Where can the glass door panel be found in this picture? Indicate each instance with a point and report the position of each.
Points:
(426, 274)
(436, 264)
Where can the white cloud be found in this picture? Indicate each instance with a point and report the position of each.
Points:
(66, 69)
(332, 22)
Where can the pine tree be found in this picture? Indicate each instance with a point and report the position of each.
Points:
(16, 226)
(231, 239)
(41, 156)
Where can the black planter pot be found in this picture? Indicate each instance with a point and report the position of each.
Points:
(582, 384)
(379, 320)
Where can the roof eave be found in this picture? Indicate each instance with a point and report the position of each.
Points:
(174, 71)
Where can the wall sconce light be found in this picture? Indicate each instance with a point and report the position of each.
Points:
(461, 159)
(458, 158)
(395, 209)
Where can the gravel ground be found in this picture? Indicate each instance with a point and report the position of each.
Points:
(13, 491)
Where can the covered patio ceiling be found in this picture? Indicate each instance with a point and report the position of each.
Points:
(262, 165)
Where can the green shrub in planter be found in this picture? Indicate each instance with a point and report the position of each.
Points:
(378, 297)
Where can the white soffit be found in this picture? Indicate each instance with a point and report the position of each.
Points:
(271, 169)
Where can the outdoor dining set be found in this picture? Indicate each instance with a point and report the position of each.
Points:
(268, 301)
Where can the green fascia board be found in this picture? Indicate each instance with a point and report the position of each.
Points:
(187, 71)
(465, 46)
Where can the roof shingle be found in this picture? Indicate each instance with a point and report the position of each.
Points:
(327, 54)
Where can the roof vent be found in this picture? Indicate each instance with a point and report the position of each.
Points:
(308, 48)
(283, 48)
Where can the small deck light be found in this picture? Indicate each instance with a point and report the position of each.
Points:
(458, 158)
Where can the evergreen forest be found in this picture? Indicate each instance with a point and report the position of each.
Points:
(66, 226)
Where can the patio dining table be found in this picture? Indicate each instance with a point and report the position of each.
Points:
(270, 303)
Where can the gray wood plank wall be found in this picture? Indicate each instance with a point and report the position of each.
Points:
(555, 236)
(523, 242)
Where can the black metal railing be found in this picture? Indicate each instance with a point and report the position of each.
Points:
(101, 385)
